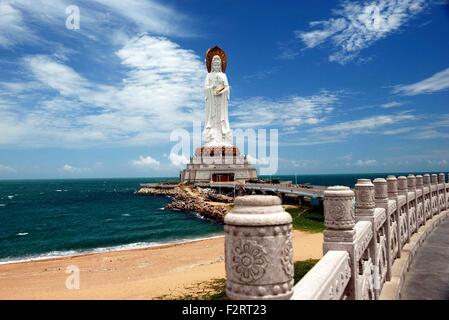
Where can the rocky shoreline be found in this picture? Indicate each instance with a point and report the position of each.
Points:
(192, 199)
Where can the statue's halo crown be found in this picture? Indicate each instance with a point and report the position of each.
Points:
(216, 51)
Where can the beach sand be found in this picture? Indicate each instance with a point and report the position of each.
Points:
(146, 273)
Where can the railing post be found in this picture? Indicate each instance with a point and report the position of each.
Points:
(442, 182)
(427, 186)
(412, 204)
(339, 234)
(381, 199)
(392, 185)
(420, 209)
(434, 181)
(258, 249)
(404, 215)
(364, 211)
(447, 192)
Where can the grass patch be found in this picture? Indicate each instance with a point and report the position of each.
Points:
(215, 289)
(302, 267)
(208, 290)
(307, 219)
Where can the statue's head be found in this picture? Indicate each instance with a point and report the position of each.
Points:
(216, 64)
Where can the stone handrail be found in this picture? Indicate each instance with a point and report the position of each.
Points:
(366, 231)
(327, 280)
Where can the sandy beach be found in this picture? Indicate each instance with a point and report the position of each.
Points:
(146, 273)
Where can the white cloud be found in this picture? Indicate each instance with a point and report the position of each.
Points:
(346, 157)
(257, 161)
(438, 163)
(178, 160)
(159, 92)
(56, 75)
(148, 16)
(348, 161)
(340, 131)
(67, 168)
(396, 131)
(145, 163)
(6, 169)
(392, 104)
(294, 111)
(430, 134)
(12, 27)
(438, 82)
(365, 163)
(356, 26)
(366, 124)
(101, 20)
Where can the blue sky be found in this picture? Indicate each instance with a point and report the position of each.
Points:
(352, 86)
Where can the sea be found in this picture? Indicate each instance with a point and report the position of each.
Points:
(42, 219)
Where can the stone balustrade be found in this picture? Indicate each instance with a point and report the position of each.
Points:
(258, 249)
(367, 231)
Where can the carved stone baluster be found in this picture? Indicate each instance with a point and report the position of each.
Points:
(339, 220)
(442, 182)
(364, 211)
(258, 249)
(447, 192)
(420, 201)
(434, 182)
(381, 199)
(403, 211)
(393, 194)
(428, 197)
(412, 204)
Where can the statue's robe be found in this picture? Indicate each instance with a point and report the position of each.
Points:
(217, 131)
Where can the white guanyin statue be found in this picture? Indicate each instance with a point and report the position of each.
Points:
(216, 89)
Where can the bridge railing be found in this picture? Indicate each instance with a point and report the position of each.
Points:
(366, 230)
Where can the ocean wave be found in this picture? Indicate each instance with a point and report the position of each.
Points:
(126, 215)
(10, 197)
(22, 234)
(131, 246)
(2, 205)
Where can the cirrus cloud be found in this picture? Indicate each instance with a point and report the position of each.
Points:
(356, 26)
(437, 82)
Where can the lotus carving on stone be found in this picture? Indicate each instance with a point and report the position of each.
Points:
(249, 261)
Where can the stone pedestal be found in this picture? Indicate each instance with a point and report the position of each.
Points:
(258, 249)
(218, 164)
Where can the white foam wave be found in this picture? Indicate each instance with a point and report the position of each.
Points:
(2, 205)
(10, 197)
(131, 246)
(22, 234)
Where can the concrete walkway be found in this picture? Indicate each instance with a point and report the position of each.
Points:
(428, 277)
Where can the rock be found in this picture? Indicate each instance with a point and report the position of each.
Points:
(208, 205)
